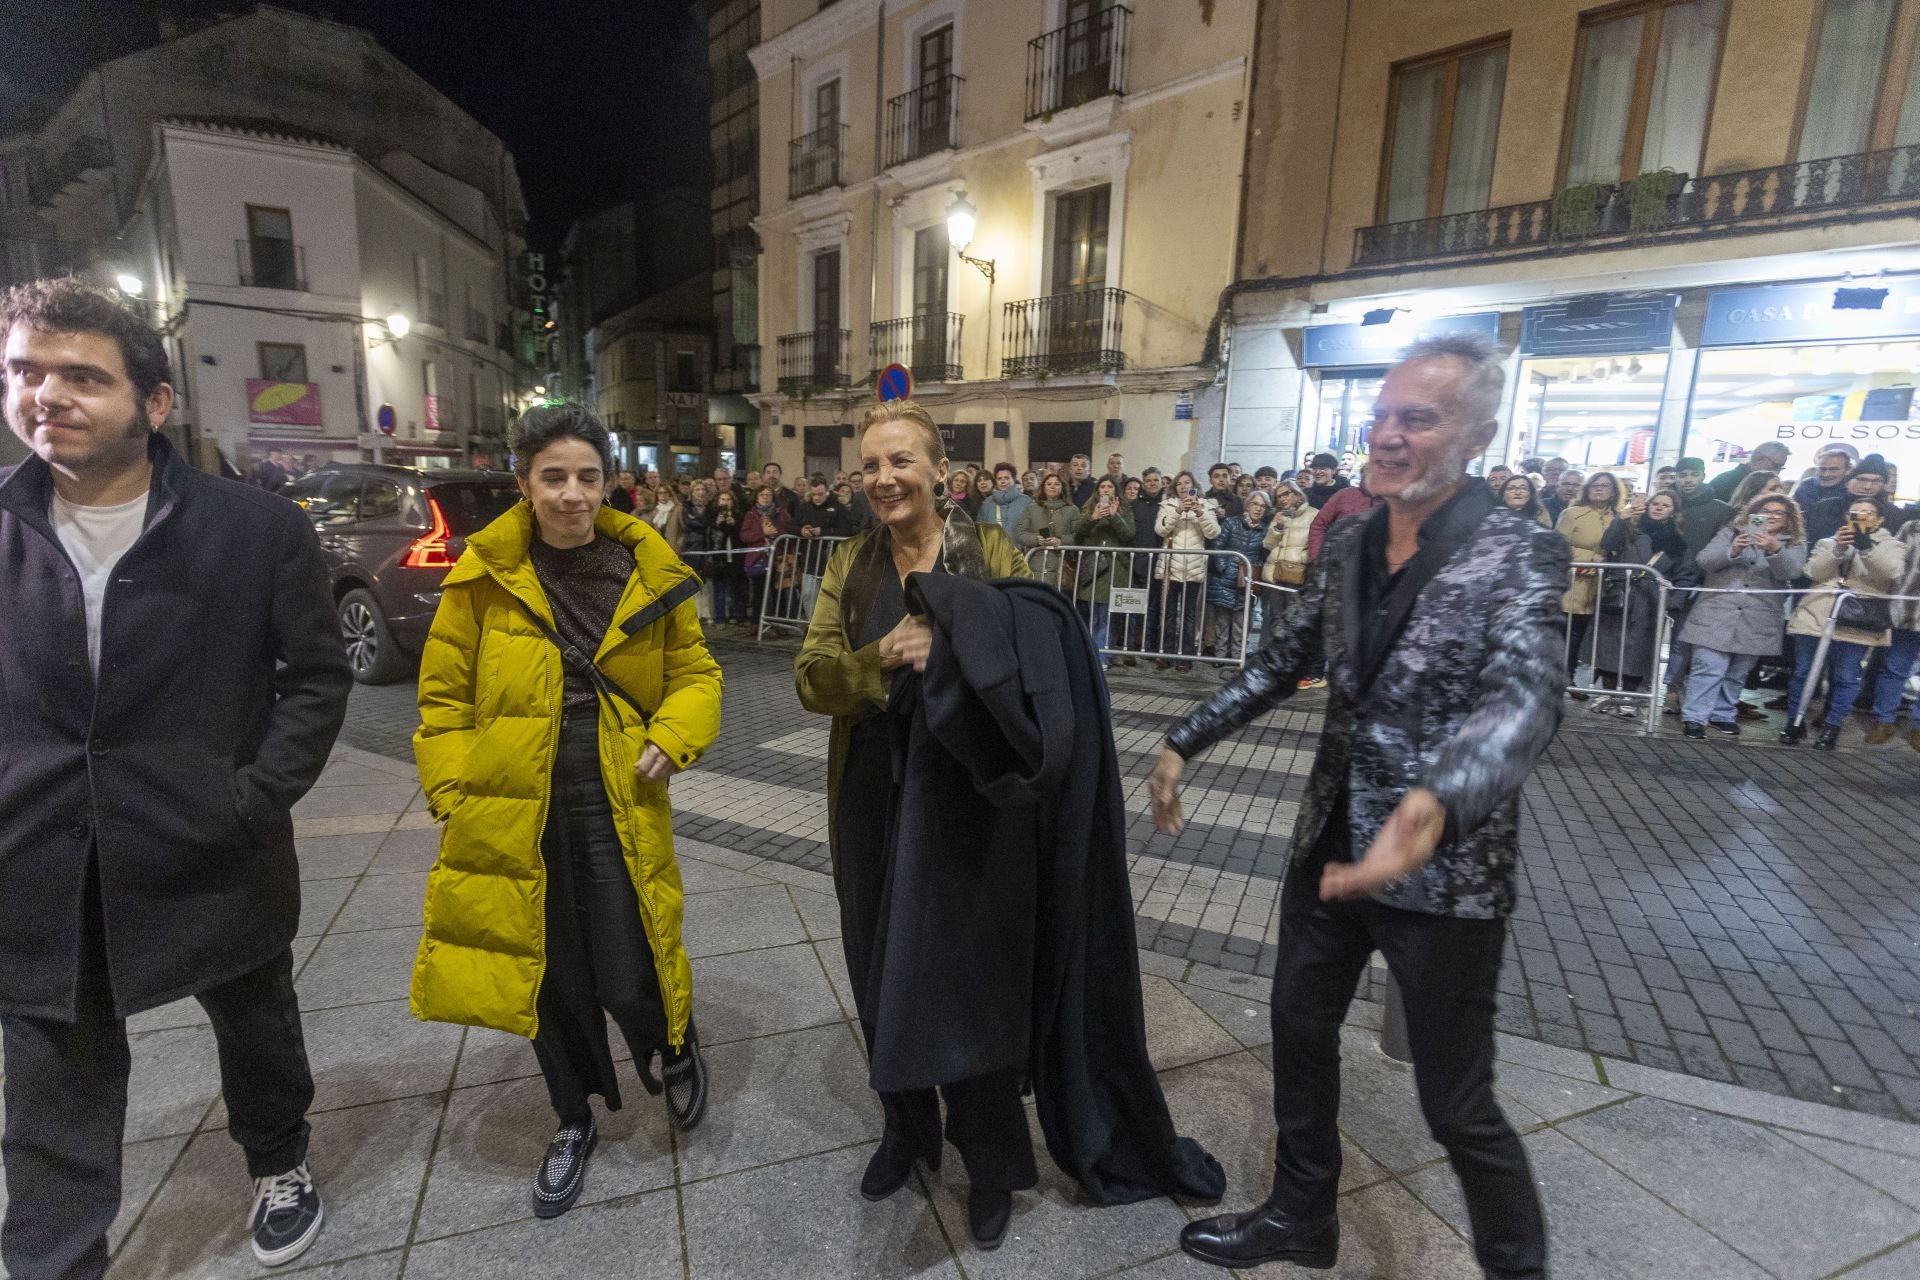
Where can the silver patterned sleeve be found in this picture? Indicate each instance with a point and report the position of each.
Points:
(1287, 650)
(1516, 701)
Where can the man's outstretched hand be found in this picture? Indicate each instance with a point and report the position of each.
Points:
(1408, 838)
(1163, 785)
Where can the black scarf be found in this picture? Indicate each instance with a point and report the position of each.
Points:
(1665, 537)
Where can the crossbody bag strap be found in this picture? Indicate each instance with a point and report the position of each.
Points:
(603, 683)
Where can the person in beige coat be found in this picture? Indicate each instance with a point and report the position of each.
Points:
(1584, 525)
(1863, 557)
(1188, 521)
(1286, 540)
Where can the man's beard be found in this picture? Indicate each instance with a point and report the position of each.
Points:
(1451, 470)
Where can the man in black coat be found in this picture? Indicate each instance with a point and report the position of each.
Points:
(171, 681)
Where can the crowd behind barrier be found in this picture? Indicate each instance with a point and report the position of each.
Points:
(1177, 575)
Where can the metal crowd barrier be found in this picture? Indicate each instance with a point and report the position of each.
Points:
(791, 583)
(1146, 614)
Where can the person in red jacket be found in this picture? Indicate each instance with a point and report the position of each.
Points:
(1350, 501)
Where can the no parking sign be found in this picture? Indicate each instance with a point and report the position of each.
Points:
(894, 383)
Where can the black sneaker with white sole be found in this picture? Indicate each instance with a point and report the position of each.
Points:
(563, 1172)
(286, 1216)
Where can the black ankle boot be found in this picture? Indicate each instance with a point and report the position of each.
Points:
(1793, 735)
(888, 1170)
(989, 1215)
(1828, 739)
(1263, 1234)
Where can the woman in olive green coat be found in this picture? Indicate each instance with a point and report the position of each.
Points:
(860, 636)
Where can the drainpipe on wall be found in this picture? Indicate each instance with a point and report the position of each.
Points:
(873, 203)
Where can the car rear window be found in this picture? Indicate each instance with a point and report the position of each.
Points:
(471, 507)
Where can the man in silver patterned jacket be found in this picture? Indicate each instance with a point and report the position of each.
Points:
(1438, 618)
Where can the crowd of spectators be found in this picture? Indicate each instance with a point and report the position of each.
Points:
(1742, 552)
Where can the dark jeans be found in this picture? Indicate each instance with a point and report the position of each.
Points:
(986, 1123)
(598, 956)
(730, 600)
(1577, 625)
(1844, 661)
(1177, 629)
(66, 1096)
(1446, 968)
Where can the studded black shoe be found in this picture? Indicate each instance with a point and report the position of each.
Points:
(685, 1075)
(564, 1170)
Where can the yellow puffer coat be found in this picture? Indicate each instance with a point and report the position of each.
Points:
(490, 687)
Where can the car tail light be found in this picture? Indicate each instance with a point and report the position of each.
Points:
(429, 550)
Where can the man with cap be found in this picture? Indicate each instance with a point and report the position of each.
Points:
(1868, 480)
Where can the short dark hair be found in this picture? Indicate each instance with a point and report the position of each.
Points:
(545, 424)
(71, 306)
(1323, 462)
(1218, 466)
(1007, 467)
(1691, 464)
(817, 478)
(1266, 471)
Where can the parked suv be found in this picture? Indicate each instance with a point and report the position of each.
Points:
(390, 534)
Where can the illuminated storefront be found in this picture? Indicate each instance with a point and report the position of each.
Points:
(1591, 382)
(1810, 365)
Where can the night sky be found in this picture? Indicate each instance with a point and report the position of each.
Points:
(599, 100)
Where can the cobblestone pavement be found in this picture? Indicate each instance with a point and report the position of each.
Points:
(1739, 912)
(425, 1136)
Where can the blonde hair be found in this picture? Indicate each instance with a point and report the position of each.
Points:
(906, 411)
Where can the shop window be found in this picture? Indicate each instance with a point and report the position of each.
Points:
(283, 361)
(1642, 90)
(1599, 413)
(1444, 118)
(1858, 394)
(1057, 442)
(1346, 412)
(1864, 94)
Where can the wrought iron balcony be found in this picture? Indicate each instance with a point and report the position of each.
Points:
(1076, 332)
(928, 345)
(815, 359)
(814, 160)
(271, 264)
(921, 121)
(1075, 64)
(1662, 205)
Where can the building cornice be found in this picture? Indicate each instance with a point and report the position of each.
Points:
(813, 36)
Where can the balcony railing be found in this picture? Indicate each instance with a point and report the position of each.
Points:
(1077, 63)
(1077, 332)
(1660, 204)
(928, 345)
(920, 122)
(271, 264)
(814, 160)
(817, 358)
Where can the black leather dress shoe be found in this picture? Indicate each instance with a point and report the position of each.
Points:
(989, 1215)
(1263, 1235)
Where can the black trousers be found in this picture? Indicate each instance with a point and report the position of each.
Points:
(598, 955)
(66, 1093)
(986, 1123)
(1446, 968)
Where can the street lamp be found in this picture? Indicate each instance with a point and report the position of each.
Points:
(961, 216)
(131, 285)
(397, 323)
(393, 328)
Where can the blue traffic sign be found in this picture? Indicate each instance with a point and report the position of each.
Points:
(894, 383)
(386, 419)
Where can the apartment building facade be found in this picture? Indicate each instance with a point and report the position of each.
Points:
(279, 186)
(1694, 224)
(1028, 204)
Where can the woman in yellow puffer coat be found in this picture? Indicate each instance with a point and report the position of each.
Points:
(564, 680)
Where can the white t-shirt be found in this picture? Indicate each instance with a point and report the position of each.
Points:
(95, 539)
